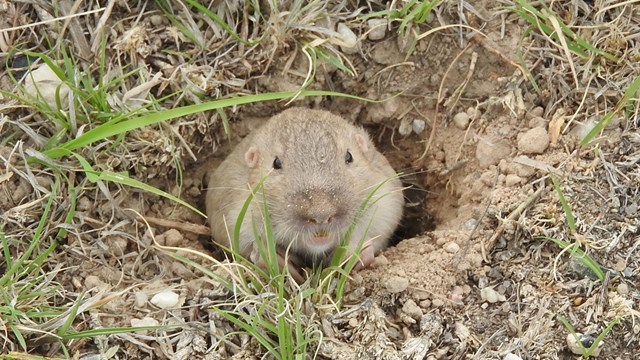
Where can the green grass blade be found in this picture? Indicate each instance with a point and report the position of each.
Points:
(107, 130)
(17, 265)
(627, 98)
(110, 331)
(571, 222)
(123, 179)
(578, 253)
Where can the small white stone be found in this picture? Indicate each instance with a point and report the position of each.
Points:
(451, 247)
(156, 20)
(145, 321)
(489, 295)
(462, 331)
(405, 127)
(573, 345)
(141, 299)
(418, 126)
(165, 300)
(43, 83)
(349, 39)
(461, 120)
(377, 29)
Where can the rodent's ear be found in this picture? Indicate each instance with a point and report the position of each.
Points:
(363, 142)
(252, 157)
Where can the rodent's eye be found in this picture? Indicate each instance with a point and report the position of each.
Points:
(277, 164)
(348, 158)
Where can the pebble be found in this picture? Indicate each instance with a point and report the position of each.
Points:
(586, 341)
(412, 309)
(470, 224)
(631, 210)
(431, 325)
(418, 126)
(489, 295)
(388, 109)
(172, 237)
(379, 260)
(145, 321)
(141, 299)
(166, 299)
(472, 112)
(451, 247)
(491, 150)
(387, 53)
(156, 20)
(377, 29)
(521, 169)
(43, 83)
(512, 180)
(457, 295)
(620, 265)
(405, 127)
(537, 111)
(461, 120)
(45, 181)
(623, 289)
(349, 38)
(396, 284)
(117, 245)
(534, 141)
(537, 121)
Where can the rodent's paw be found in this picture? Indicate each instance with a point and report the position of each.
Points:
(365, 259)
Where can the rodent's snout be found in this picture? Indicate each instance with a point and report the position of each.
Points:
(316, 207)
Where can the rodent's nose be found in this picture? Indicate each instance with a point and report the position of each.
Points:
(320, 219)
(318, 208)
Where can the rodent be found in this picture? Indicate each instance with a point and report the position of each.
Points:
(319, 169)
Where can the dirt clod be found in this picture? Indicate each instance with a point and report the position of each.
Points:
(533, 141)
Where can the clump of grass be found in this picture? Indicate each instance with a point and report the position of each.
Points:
(573, 248)
(410, 15)
(550, 24)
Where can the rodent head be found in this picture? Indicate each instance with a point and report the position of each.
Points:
(317, 166)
